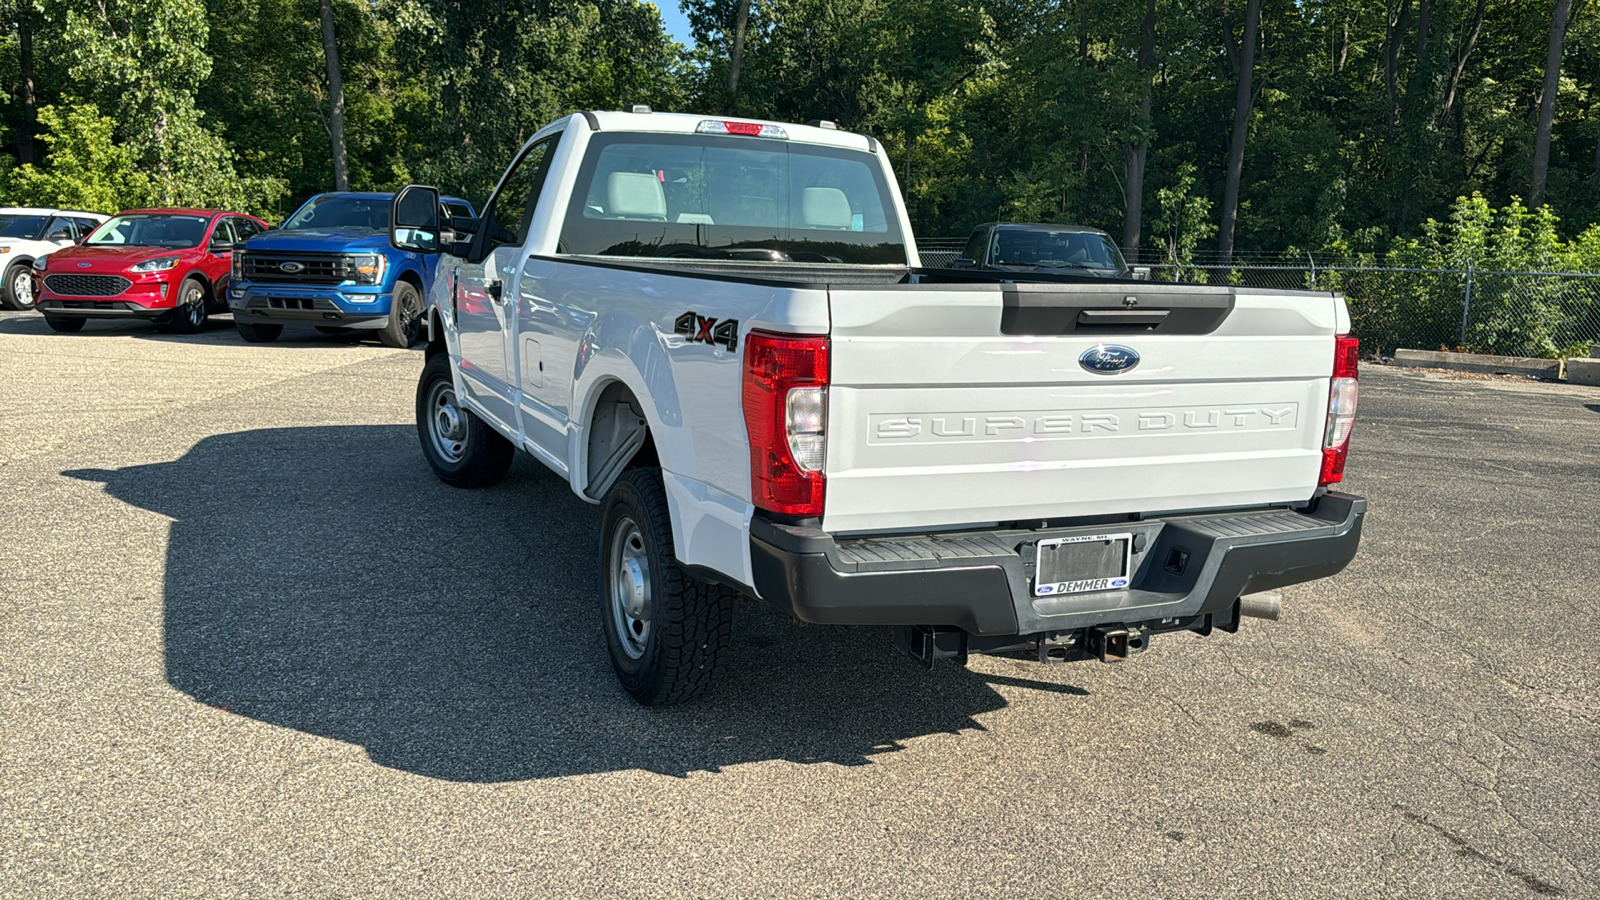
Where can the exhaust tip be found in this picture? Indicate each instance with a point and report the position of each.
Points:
(1262, 605)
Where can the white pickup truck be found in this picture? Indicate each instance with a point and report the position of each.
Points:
(720, 331)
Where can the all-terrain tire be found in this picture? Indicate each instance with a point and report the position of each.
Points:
(65, 324)
(674, 649)
(463, 451)
(404, 327)
(257, 333)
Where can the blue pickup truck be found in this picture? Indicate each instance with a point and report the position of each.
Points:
(331, 266)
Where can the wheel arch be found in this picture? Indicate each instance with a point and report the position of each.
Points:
(617, 436)
(412, 276)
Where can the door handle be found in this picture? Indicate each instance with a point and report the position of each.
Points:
(495, 291)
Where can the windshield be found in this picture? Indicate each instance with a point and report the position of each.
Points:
(333, 211)
(26, 227)
(1056, 249)
(713, 197)
(151, 230)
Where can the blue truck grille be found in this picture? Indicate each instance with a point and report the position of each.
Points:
(298, 268)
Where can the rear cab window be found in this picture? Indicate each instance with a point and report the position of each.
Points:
(666, 196)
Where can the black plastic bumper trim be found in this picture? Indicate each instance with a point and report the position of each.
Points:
(100, 309)
(979, 581)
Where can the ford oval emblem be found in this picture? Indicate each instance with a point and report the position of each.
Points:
(85, 265)
(1109, 359)
(291, 267)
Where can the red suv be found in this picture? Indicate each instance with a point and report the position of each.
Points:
(167, 265)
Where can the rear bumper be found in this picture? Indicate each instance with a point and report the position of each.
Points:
(1185, 569)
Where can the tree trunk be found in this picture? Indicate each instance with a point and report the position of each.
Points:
(1461, 65)
(1391, 59)
(30, 102)
(1547, 103)
(1242, 103)
(1135, 152)
(330, 51)
(738, 54)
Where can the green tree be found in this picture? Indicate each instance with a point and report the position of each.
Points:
(84, 166)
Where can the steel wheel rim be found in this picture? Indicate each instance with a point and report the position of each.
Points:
(631, 602)
(22, 288)
(447, 423)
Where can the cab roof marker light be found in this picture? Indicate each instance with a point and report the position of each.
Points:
(742, 129)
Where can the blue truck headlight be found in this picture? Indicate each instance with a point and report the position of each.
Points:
(238, 265)
(366, 268)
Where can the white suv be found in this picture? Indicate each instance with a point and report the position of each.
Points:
(28, 234)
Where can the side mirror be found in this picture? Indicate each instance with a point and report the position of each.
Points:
(414, 219)
(1141, 273)
(221, 247)
(961, 262)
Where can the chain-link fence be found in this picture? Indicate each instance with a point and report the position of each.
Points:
(938, 252)
(1543, 314)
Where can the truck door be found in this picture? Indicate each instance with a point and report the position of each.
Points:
(486, 292)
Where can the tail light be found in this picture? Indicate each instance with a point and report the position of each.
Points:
(786, 416)
(1341, 409)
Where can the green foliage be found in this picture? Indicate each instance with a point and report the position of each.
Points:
(1184, 220)
(1367, 124)
(85, 168)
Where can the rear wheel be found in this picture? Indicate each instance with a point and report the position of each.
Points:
(463, 451)
(405, 318)
(667, 631)
(17, 292)
(65, 324)
(258, 334)
(189, 316)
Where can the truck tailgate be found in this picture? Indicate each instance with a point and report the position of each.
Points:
(966, 404)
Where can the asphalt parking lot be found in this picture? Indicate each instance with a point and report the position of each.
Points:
(251, 647)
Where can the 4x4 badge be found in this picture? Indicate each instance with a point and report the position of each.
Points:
(699, 329)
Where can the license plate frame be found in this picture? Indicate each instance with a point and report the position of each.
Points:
(1109, 568)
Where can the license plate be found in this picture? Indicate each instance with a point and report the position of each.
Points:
(1077, 565)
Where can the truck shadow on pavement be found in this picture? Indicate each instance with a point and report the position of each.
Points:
(322, 579)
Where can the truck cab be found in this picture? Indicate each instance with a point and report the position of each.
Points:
(331, 266)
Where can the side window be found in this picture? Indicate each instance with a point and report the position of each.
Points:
(513, 205)
(61, 230)
(224, 233)
(974, 249)
(85, 226)
(243, 230)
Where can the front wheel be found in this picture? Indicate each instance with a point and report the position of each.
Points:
(189, 316)
(405, 318)
(667, 631)
(258, 334)
(65, 324)
(17, 293)
(463, 451)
